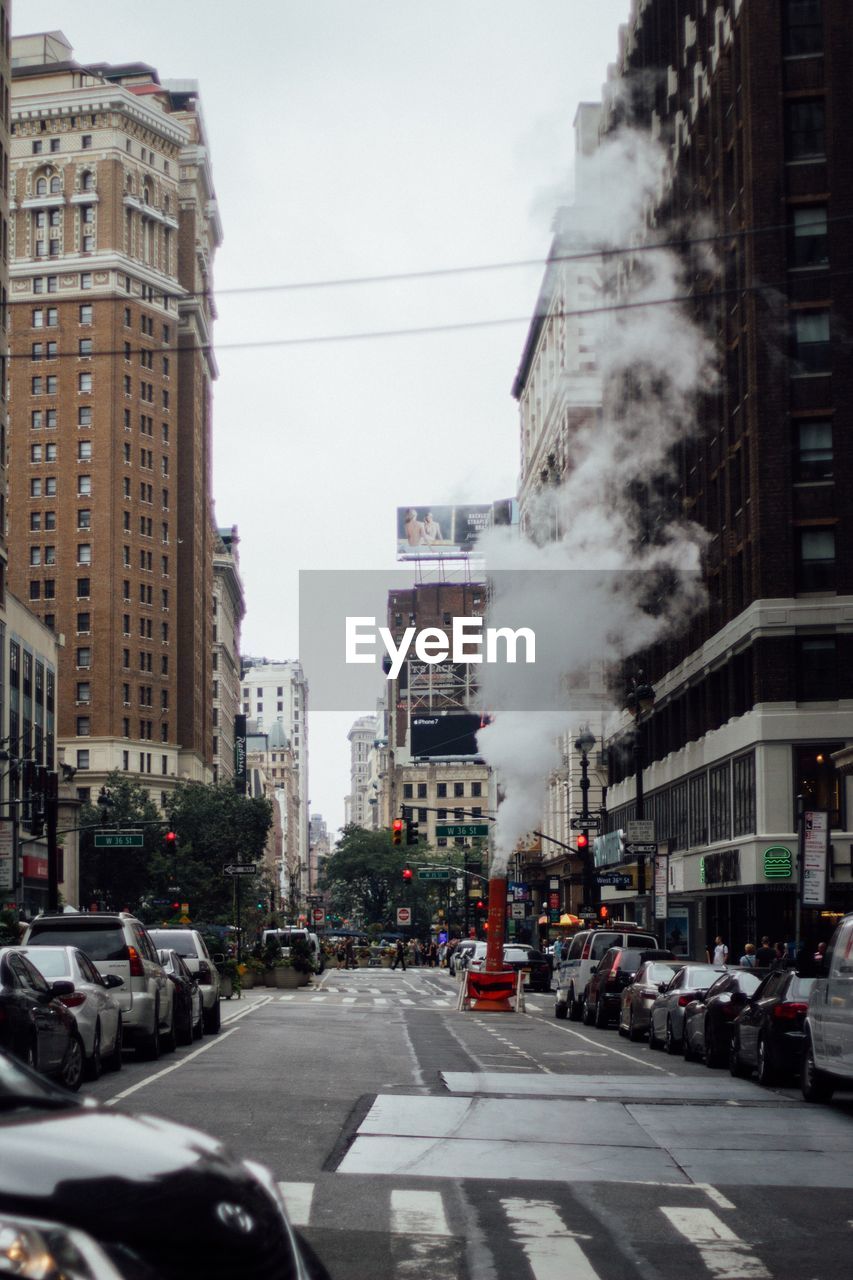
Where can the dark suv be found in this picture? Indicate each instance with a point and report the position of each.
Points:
(615, 971)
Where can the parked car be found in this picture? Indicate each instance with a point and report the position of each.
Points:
(639, 996)
(118, 943)
(461, 954)
(666, 1020)
(708, 1019)
(93, 1003)
(152, 1197)
(189, 1005)
(768, 1033)
(586, 949)
(613, 973)
(192, 948)
(35, 1025)
(828, 1027)
(517, 956)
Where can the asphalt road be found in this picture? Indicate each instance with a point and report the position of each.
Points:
(412, 1140)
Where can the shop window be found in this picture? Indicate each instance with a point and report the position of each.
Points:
(817, 780)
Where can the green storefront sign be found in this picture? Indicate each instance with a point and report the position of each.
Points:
(778, 863)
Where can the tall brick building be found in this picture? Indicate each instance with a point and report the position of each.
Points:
(751, 99)
(113, 230)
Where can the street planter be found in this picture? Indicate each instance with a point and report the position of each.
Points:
(385, 962)
(288, 979)
(226, 986)
(269, 977)
(363, 962)
(247, 980)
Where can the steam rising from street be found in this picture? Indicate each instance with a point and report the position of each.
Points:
(656, 364)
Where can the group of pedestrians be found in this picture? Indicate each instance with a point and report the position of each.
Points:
(778, 955)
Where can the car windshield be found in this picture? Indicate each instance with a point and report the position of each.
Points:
(660, 972)
(701, 975)
(800, 988)
(51, 962)
(100, 939)
(180, 940)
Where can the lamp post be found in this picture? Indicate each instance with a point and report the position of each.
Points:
(584, 743)
(639, 702)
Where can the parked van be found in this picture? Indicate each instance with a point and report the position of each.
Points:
(586, 948)
(828, 1057)
(284, 937)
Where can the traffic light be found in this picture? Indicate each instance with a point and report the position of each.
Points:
(397, 831)
(412, 832)
(604, 913)
(407, 875)
(171, 841)
(582, 842)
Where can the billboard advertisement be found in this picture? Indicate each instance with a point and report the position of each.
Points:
(436, 533)
(451, 736)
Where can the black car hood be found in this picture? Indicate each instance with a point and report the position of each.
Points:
(170, 1198)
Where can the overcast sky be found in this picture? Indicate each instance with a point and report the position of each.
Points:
(354, 138)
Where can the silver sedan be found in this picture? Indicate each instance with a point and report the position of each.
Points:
(95, 1008)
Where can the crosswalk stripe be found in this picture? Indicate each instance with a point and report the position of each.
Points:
(318, 999)
(379, 1000)
(418, 1213)
(298, 1197)
(348, 1000)
(725, 1255)
(287, 997)
(551, 1249)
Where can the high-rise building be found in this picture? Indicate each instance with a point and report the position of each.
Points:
(229, 608)
(113, 230)
(275, 695)
(753, 700)
(361, 738)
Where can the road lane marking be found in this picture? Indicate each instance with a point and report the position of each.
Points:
(287, 997)
(551, 1249)
(418, 1213)
(125, 1093)
(249, 1008)
(725, 1255)
(379, 1000)
(298, 1197)
(348, 1000)
(318, 1000)
(600, 1047)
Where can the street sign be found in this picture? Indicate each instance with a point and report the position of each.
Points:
(635, 849)
(518, 910)
(427, 873)
(241, 869)
(616, 879)
(119, 839)
(404, 915)
(592, 822)
(641, 831)
(318, 915)
(461, 829)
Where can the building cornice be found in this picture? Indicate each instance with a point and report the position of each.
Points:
(93, 99)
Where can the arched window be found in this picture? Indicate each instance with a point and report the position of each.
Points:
(55, 186)
(87, 182)
(146, 193)
(166, 204)
(41, 187)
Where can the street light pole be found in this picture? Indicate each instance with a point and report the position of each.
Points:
(640, 700)
(584, 743)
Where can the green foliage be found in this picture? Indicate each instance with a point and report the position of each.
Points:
(300, 956)
(364, 877)
(215, 826)
(9, 933)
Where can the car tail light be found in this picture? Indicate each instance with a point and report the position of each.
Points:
(136, 967)
(613, 976)
(74, 1001)
(203, 975)
(587, 947)
(790, 1010)
(683, 1001)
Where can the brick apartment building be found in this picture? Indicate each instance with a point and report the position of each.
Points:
(753, 101)
(113, 229)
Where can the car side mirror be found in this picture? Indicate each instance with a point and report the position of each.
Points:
(62, 988)
(594, 969)
(113, 980)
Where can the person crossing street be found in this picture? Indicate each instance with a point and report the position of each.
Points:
(399, 954)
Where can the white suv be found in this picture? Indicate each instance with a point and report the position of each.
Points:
(585, 950)
(192, 949)
(828, 1027)
(118, 943)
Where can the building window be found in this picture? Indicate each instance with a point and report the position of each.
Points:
(36, 420)
(817, 781)
(817, 669)
(86, 141)
(49, 587)
(84, 450)
(84, 658)
(35, 556)
(459, 788)
(809, 238)
(50, 555)
(50, 519)
(82, 759)
(84, 486)
(84, 623)
(86, 280)
(816, 560)
(50, 486)
(84, 382)
(84, 518)
(84, 415)
(718, 780)
(441, 789)
(85, 313)
(84, 348)
(84, 691)
(476, 788)
(35, 488)
(805, 129)
(35, 521)
(801, 27)
(422, 789)
(743, 794)
(84, 727)
(84, 553)
(35, 589)
(811, 352)
(813, 460)
(83, 588)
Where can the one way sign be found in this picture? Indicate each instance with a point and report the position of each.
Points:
(241, 869)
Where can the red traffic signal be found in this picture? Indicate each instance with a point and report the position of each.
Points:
(582, 842)
(603, 913)
(171, 839)
(407, 874)
(397, 831)
(481, 906)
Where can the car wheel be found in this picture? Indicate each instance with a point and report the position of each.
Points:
(71, 1071)
(575, 1007)
(633, 1034)
(712, 1053)
(687, 1048)
(736, 1064)
(765, 1070)
(601, 1018)
(587, 1014)
(654, 1043)
(114, 1062)
(148, 1046)
(561, 1009)
(670, 1043)
(213, 1019)
(94, 1064)
(816, 1087)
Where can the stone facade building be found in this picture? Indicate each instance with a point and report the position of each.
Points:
(229, 608)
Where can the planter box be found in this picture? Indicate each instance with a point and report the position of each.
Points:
(363, 964)
(288, 979)
(269, 977)
(247, 981)
(386, 962)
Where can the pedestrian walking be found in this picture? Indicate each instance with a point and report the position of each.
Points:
(765, 955)
(349, 955)
(780, 956)
(399, 954)
(720, 953)
(747, 960)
